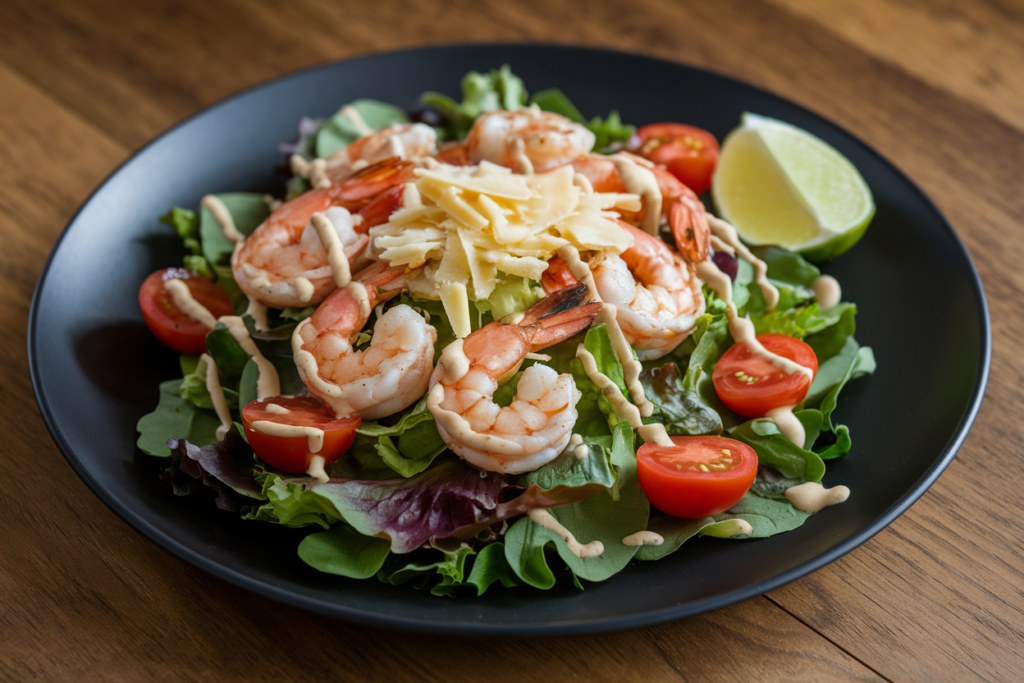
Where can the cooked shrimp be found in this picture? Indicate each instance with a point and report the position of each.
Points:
(656, 295)
(285, 261)
(678, 203)
(391, 374)
(544, 139)
(405, 141)
(536, 427)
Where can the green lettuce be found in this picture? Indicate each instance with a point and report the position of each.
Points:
(481, 93)
(247, 210)
(175, 418)
(338, 132)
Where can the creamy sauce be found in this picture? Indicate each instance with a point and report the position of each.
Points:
(353, 115)
(575, 440)
(720, 245)
(543, 357)
(641, 181)
(258, 313)
(318, 174)
(268, 384)
(314, 436)
(826, 292)
(220, 213)
(725, 232)
(454, 361)
(581, 452)
(276, 409)
(522, 162)
(182, 297)
(583, 182)
(357, 290)
(272, 204)
(812, 496)
(735, 527)
(306, 363)
(643, 538)
(741, 329)
(460, 429)
(787, 423)
(316, 469)
(299, 166)
(548, 521)
(336, 258)
(220, 404)
(304, 289)
(394, 148)
(631, 367)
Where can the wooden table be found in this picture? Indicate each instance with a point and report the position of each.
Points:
(937, 87)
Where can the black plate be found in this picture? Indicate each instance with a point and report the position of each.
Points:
(95, 368)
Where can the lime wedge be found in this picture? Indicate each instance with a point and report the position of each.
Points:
(778, 184)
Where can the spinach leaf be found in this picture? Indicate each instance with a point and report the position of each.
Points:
(247, 210)
(345, 552)
(777, 451)
(682, 412)
(175, 418)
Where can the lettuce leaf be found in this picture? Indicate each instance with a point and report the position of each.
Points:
(338, 132)
(247, 210)
(490, 566)
(850, 362)
(344, 551)
(498, 89)
(186, 224)
(225, 467)
(175, 417)
(775, 450)
(411, 443)
(682, 412)
(606, 517)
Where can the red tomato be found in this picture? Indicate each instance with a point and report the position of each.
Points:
(689, 153)
(751, 386)
(167, 322)
(700, 476)
(291, 453)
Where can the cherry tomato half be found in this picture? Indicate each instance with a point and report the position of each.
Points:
(166, 321)
(698, 477)
(751, 386)
(291, 453)
(689, 153)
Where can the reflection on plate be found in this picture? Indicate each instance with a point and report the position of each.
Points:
(95, 369)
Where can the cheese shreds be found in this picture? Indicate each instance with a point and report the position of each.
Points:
(473, 225)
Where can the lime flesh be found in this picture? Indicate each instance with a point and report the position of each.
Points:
(780, 185)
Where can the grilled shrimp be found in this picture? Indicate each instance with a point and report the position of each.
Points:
(657, 296)
(537, 426)
(391, 374)
(285, 261)
(402, 140)
(546, 140)
(678, 203)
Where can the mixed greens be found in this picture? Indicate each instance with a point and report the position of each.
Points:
(401, 506)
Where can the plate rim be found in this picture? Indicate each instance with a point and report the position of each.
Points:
(568, 627)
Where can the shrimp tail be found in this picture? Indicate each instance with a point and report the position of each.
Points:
(689, 223)
(356, 191)
(559, 316)
(557, 276)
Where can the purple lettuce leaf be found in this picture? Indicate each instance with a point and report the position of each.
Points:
(225, 467)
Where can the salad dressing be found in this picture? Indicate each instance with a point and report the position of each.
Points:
(352, 114)
(726, 233)
(812, 496)
(454, 361)
(522, 163)
(258, 313)
(459, 427)
(826, 292)
(318, 174)
(581, 452)
(276, 409)
(182, 297)
(734, 527)
(316, 469)
(336, 258)
(640, 180)
(788, 424)
(357, 290)
(548, 521)
(268, 384)
(643, 538)
(215, 206)
(220, 404)
(314, 436)
(272, 203)
(304, 289)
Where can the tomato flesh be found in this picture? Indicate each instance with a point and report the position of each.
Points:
(292, 453)
(751, 386)
(689, 153)
(167, 322)
(698, 477)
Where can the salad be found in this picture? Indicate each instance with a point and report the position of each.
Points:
(489, 341)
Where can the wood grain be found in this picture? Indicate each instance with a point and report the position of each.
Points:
(936, 86)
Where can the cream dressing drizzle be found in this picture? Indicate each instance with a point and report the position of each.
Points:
(258, 313)
(812, 496)
(720, 245)
(299, 166)
(220, 213)
(581, 452)
(353, 115)
(316, 469)
(307, 365)
(272, 203)
(395, 148)
(453, 360)
(641, 181)
(304, 289)
(643, 538)
(826, 292)
(268, 384)
(336, 258)
(734, 527)
(741, 329)
(787, 423)
(548, 521)
(522, 162)
(543, 357)
(182, 297)
(276, 409)
(318, 174)
(220, 404)
(458, 427)
(725, 232)
(314, 436)
(357, 290)
(583, 182)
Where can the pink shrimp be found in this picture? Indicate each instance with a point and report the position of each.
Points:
(387, 377)
(536, 427)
